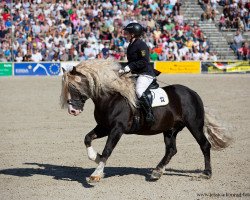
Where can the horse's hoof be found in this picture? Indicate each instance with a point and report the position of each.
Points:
(206, 175)
(155, 175)
(94, 179)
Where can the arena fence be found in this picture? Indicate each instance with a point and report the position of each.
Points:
(168, 67)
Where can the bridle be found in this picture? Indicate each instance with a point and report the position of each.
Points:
(78, 103)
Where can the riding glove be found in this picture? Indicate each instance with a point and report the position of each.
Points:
(124, 70)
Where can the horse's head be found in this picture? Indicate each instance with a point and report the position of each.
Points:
(75, 91)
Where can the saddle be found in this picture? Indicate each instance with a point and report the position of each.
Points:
(156, 95)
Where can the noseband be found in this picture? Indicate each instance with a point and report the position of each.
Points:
(78, 103)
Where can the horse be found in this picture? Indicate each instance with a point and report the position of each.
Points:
(117, 107)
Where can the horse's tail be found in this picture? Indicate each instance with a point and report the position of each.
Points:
(215, 134)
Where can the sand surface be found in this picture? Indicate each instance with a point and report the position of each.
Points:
(43, 154)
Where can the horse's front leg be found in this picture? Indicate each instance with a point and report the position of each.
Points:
(112, 140)
(97, 132)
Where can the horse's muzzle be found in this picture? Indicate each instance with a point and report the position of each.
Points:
(73, 111)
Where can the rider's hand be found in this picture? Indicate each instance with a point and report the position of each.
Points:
(124, 70)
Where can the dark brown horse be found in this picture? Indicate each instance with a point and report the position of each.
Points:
(116, 107)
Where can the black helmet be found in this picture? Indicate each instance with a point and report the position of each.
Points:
(134, 28)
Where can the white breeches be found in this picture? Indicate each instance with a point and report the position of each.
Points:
(142, 83)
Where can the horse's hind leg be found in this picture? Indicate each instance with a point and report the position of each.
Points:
(198, 133)
(170, 151)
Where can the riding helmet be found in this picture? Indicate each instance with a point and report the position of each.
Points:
(134, 28)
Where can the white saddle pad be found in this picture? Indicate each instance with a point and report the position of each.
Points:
(160, 97)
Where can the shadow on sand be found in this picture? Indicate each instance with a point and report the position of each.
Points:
(81, 174)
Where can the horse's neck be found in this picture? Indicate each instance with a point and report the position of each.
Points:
(101, 102)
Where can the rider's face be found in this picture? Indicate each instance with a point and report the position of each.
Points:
(127, 35)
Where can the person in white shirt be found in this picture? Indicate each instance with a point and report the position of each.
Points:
(196, 55)
(36, 56)
(92, 38)
(183, 51)
(19, 57)
(213, 56)
(89, 52)
(57, 39)
(68, 44)
(204, 55)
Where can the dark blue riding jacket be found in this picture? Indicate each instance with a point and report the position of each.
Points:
(138, 58)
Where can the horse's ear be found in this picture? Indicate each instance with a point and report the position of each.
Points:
(73, 71)
(64, 70)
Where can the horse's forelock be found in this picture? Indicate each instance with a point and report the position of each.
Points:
(64, 91)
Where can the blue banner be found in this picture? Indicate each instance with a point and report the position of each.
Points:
(36, 69)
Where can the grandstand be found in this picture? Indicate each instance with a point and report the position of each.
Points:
(61, 30)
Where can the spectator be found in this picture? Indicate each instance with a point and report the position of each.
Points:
(237, 41)
(170, 55)
(222, 22)
(205, 45)
(209, 13)
(19, 57)
(153, 55)
(204, 56)
(163, 55)
(243, 53)
(213, 56)
(36, 56)
(196, 55)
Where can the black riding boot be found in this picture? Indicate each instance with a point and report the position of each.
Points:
(146, 105)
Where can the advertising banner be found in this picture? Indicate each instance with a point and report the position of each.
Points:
(36, 69)
(175, 67)
(5, 69)
(226, 67)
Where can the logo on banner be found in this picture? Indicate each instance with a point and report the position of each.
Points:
(37, 69)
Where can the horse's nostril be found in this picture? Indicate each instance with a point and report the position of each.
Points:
(73, 111)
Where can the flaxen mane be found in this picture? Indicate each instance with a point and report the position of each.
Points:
(102, 77)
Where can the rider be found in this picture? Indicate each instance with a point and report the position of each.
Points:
(138, 63)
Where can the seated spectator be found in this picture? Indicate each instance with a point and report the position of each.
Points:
(222, 22)
(19, 57)
(213, 56)
(187, 56)
(157, 34)
(153, 55)
(189, 43)
(89, 52)
(240, 24)
(172, 44)
(183, 51)
(205, 45)
(222, 2)
(170, 55)
(179, 39)
(163, 55)
(243, 53)
(176, 8)
(169, 26)
(237, 41)
(64, 55)
(36, 56)
(158, 49)
(2, 58)
(209, 13)
(196, 44)
(204, 55)
(196, 55)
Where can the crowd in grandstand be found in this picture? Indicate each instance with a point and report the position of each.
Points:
(64, 30)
